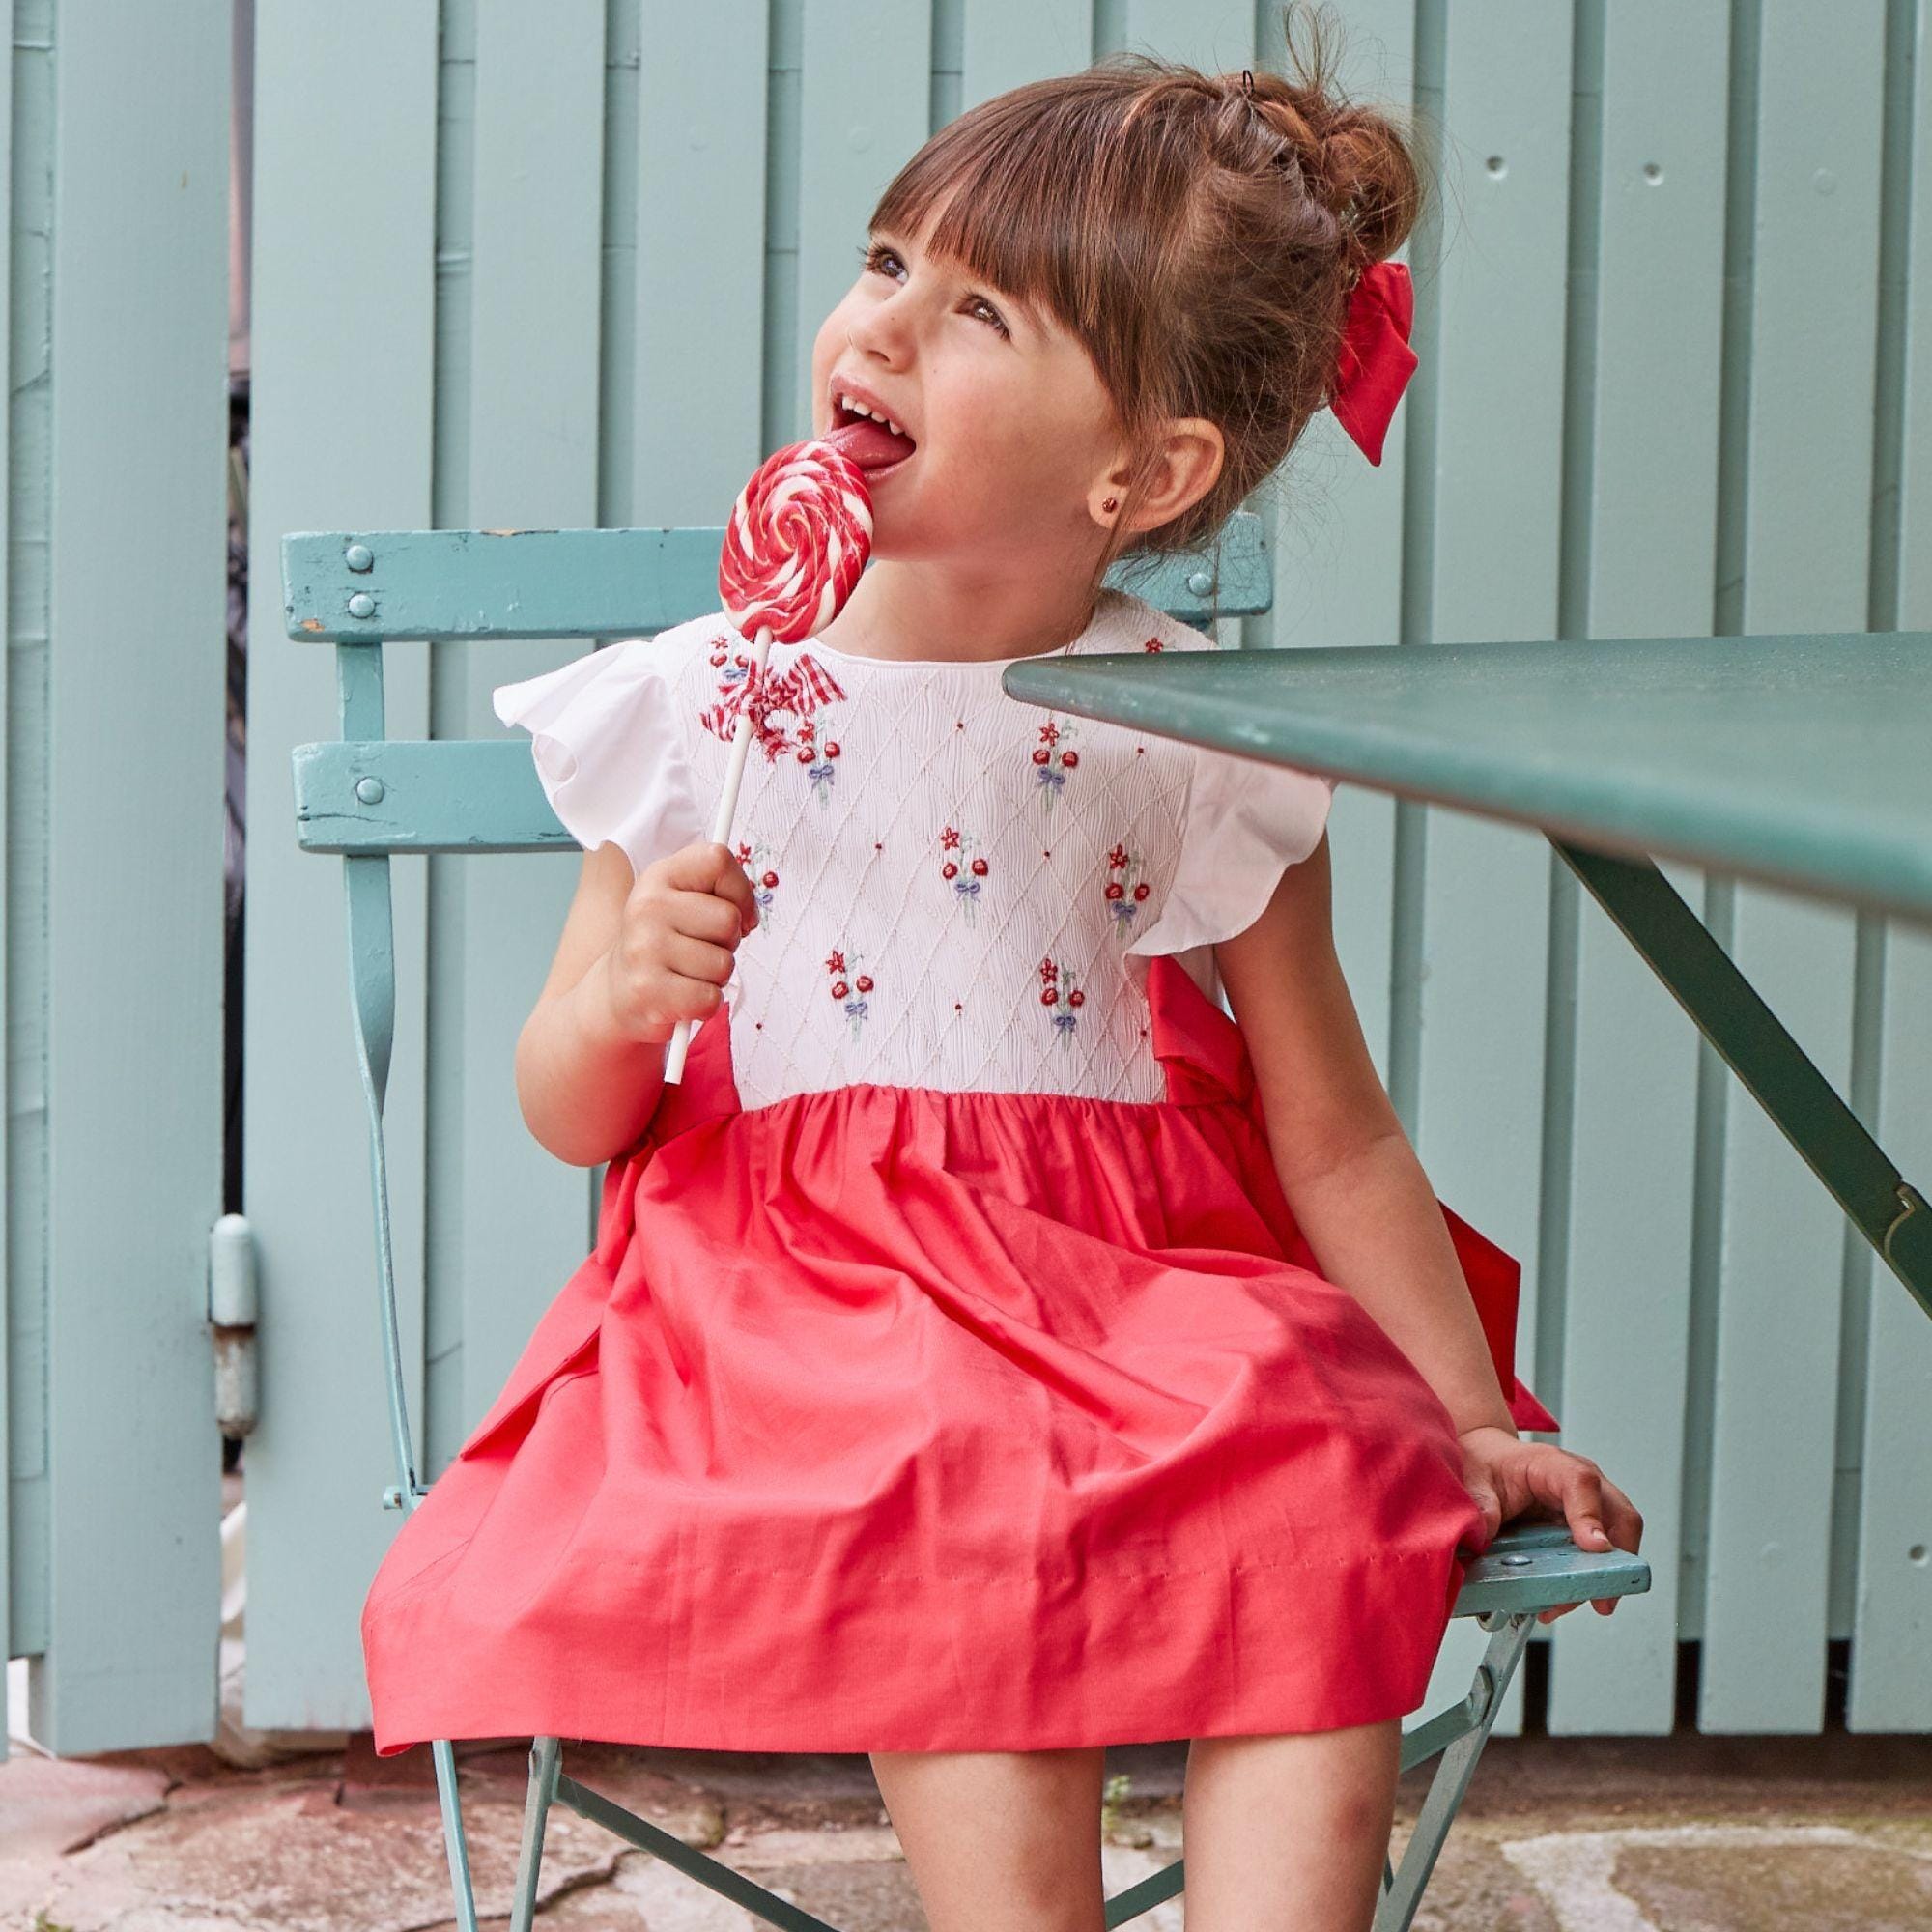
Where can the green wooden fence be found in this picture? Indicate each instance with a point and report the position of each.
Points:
(1676, 377)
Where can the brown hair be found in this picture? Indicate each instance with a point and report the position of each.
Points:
(1199, 243)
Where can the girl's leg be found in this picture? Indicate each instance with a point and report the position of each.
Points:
(1000, 1841)
(1289, 1831)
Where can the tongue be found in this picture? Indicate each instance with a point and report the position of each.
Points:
(871, 444)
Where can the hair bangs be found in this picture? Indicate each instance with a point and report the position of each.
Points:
(1011, 211)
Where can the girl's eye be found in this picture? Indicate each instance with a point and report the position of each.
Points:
(981, 302)
(877, 254)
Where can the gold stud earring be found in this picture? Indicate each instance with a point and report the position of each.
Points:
(1111, 503)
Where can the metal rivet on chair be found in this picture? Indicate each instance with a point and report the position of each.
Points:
(361, 604)
(1516, 1562)
(369, 791)
(360, 557)
(1200, 583)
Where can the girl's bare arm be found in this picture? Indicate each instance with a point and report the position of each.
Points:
(635, 956)
(1354, 1184)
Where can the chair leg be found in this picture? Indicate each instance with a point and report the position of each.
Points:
(544, 1755)
(444, 1753)
(1401, 1891)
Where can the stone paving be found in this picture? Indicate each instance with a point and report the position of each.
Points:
(1559, 1834)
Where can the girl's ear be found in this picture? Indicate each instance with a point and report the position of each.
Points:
(1183, 470)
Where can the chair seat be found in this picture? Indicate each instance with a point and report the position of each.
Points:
(1535, 1566)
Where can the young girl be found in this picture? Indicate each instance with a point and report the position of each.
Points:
(991, 1350)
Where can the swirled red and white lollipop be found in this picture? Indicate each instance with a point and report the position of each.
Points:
(799, 536)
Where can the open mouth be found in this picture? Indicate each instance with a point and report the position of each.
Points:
(868, 443)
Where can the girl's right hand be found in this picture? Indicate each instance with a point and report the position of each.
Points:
(683, 919)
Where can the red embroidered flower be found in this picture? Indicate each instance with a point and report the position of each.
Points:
(852, 997)
(1062, 999)
(1125, 892)
(1052, 760)
(952, 840)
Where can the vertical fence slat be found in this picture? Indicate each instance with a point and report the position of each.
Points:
(138, 595)
(863, 110)
(1338, 532)
(1217, 36)
(342, 410)
(1008, 42)
(1807, 509)
(1891, 1621)
(10, 1558)
(700, 189)
(1648, 420)
(1479, 1055)
(30, 408)
(506, 1221)
(1892, 1629)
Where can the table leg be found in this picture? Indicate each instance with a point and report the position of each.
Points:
(1888, 1211)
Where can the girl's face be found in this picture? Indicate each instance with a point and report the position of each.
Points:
(1012, 429)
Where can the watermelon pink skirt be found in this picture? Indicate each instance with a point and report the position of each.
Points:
(888, 1418)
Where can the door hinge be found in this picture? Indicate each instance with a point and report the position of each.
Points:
(231, 1316)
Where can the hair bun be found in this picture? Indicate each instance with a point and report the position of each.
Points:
(1350, 160)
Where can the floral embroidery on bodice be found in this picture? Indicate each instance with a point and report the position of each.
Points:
(955, 887)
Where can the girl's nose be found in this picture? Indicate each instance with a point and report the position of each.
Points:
(882, 328)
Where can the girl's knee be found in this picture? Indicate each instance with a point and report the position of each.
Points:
(998, 1840)
(1346, 1774)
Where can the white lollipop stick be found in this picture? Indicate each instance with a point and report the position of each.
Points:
(721, 826)
(798, 538)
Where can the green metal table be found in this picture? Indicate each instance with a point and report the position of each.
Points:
(1799, 762)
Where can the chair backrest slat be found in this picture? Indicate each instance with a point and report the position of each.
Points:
(423, 795)
(366, 587)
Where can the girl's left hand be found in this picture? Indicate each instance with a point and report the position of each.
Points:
(1509, 1477)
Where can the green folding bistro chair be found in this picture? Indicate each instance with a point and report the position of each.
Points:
(367, 796)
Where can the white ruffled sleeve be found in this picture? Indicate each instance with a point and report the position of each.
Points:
(609, 750)
(1247, 821)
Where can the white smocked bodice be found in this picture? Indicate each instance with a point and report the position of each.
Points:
(956, 890)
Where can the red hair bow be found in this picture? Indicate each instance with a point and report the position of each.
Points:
(1375, 362)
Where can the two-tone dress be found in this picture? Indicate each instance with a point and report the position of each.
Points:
(949, 1372)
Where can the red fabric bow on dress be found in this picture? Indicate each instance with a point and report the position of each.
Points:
(1374, 363)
